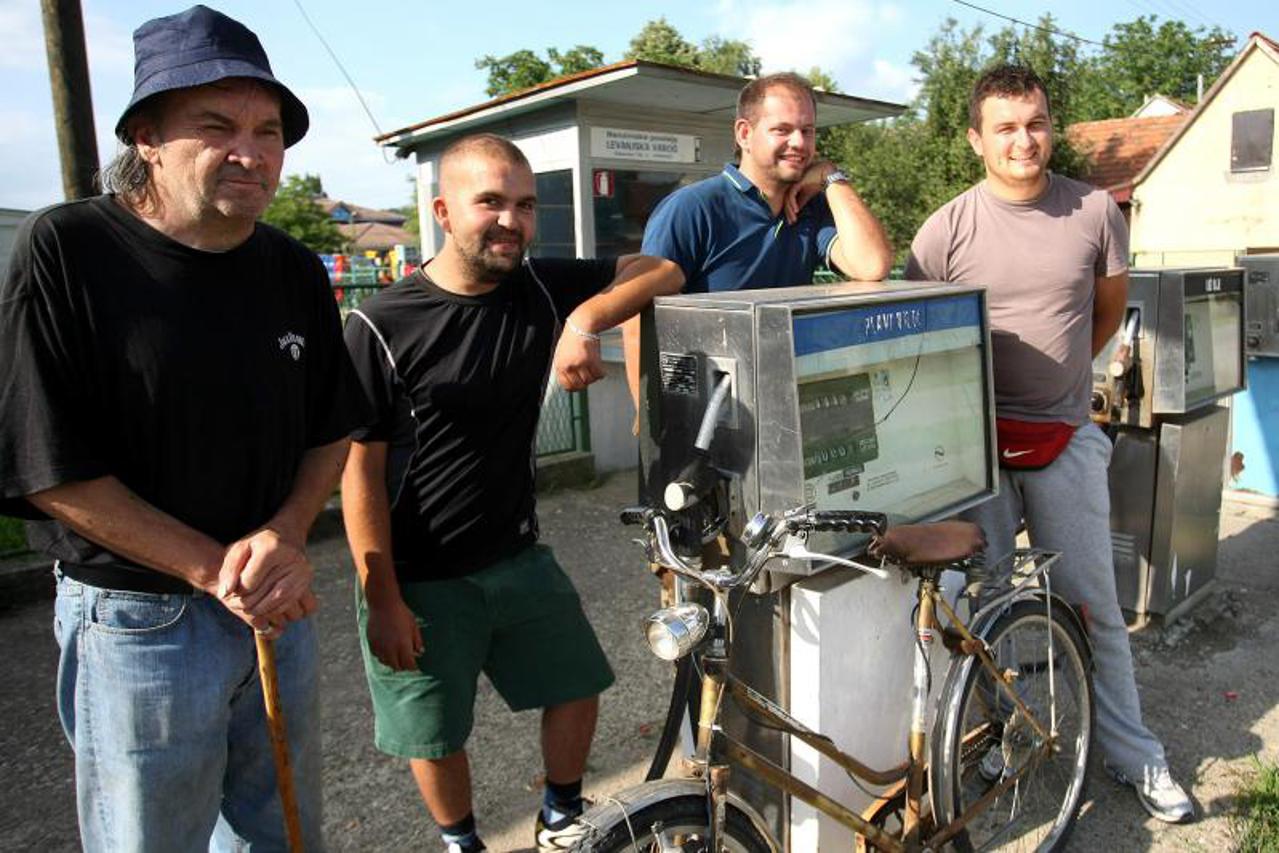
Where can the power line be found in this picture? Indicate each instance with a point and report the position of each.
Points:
(1028, 24)
(356, 89)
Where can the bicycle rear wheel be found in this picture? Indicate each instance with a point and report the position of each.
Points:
(985, 737)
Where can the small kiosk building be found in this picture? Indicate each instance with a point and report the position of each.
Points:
(606, 146)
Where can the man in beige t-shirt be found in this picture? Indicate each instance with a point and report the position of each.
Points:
(1053, 255)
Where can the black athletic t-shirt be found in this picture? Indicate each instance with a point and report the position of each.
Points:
(197, 378)
(456, 386)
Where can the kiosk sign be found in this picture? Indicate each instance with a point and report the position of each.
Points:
(620, 144)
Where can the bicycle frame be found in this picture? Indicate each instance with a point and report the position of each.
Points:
(716, 750)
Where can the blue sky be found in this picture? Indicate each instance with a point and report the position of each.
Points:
(414, 60)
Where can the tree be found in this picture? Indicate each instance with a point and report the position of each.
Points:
(411, 222)
(1140, 59)
(908, 167)
(580, 58)
(658, 41)
(515, 71)
(727, 56)
(822, 80)
(524, 68)
(294, 211)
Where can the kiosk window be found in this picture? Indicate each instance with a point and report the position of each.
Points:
(1252, 135)
(623, 203)
(555, 233)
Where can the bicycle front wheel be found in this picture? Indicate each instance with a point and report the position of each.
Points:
(676, 823)
(1040, 740)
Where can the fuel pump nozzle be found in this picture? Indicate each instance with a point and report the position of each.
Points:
(698, 478)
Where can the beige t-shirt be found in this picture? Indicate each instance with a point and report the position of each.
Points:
(1039, 261)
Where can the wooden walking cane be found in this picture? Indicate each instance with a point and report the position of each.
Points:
(279, 741)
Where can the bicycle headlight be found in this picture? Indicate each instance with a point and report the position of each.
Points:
(672, 632)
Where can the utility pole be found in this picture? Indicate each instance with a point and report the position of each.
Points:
(72, 101)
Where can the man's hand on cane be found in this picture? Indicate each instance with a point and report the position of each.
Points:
(265, 579)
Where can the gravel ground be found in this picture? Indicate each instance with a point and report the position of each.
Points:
(1208, 684)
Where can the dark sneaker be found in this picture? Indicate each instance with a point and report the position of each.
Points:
(560, 835)
(1159, 794)
(454, 847)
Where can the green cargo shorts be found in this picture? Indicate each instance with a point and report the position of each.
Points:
(519, 621)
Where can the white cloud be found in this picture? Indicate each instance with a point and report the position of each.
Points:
(23, 35)
(893, 82)
(834, 35)
(109, 46)
(29, 177)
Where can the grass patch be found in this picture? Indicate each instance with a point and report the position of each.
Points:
(1257, 816)
(12, 535)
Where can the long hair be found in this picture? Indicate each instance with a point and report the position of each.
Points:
(127, 175)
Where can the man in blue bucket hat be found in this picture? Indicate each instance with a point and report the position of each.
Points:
(175, 405)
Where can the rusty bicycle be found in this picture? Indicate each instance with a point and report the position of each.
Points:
(1004, 763)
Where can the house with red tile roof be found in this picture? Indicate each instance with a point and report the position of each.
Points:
(1210, 192)
(1118, 149)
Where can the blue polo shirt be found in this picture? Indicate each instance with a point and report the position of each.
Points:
(723, 235)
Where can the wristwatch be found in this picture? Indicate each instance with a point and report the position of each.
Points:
(835, 177)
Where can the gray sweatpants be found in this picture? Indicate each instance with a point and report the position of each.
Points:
(1066, 507)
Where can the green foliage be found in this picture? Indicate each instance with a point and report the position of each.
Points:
(580, 58)
(658, 41)
(12, 535)
(822, 80)
(908, 167)
(524, 68)
(1143, 58)
(294, 211)
(515, 71)
(411, 222)
(1256, 821)
(728, 56)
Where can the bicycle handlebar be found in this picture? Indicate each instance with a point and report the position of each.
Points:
(762, 537)
(839, 520)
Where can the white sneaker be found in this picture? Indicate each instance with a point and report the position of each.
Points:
(1160, 794)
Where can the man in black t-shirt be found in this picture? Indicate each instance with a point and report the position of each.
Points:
(438, 492)
(175, 405)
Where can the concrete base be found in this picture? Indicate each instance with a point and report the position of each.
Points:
(565, 470)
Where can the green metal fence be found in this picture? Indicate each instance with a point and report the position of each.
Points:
(565, 424)
(349, 296)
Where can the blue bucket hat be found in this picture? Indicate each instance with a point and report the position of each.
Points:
(197, 47)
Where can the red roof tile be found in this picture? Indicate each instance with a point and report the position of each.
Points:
(1117, 149)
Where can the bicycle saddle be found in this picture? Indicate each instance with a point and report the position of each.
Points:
(929, 544)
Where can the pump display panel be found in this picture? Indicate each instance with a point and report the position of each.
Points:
(892, 406)
(874, 396)
(1212, 322)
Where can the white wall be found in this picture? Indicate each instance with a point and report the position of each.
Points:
(1192, 210)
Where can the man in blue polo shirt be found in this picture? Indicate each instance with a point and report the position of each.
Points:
(770, 220)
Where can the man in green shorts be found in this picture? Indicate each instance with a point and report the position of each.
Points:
(438, 492)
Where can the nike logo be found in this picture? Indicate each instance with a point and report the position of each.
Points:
(1013, 454)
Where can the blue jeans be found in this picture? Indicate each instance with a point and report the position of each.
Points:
(160, 698)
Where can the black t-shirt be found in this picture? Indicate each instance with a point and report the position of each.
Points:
(456, 384)
(196, 378)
